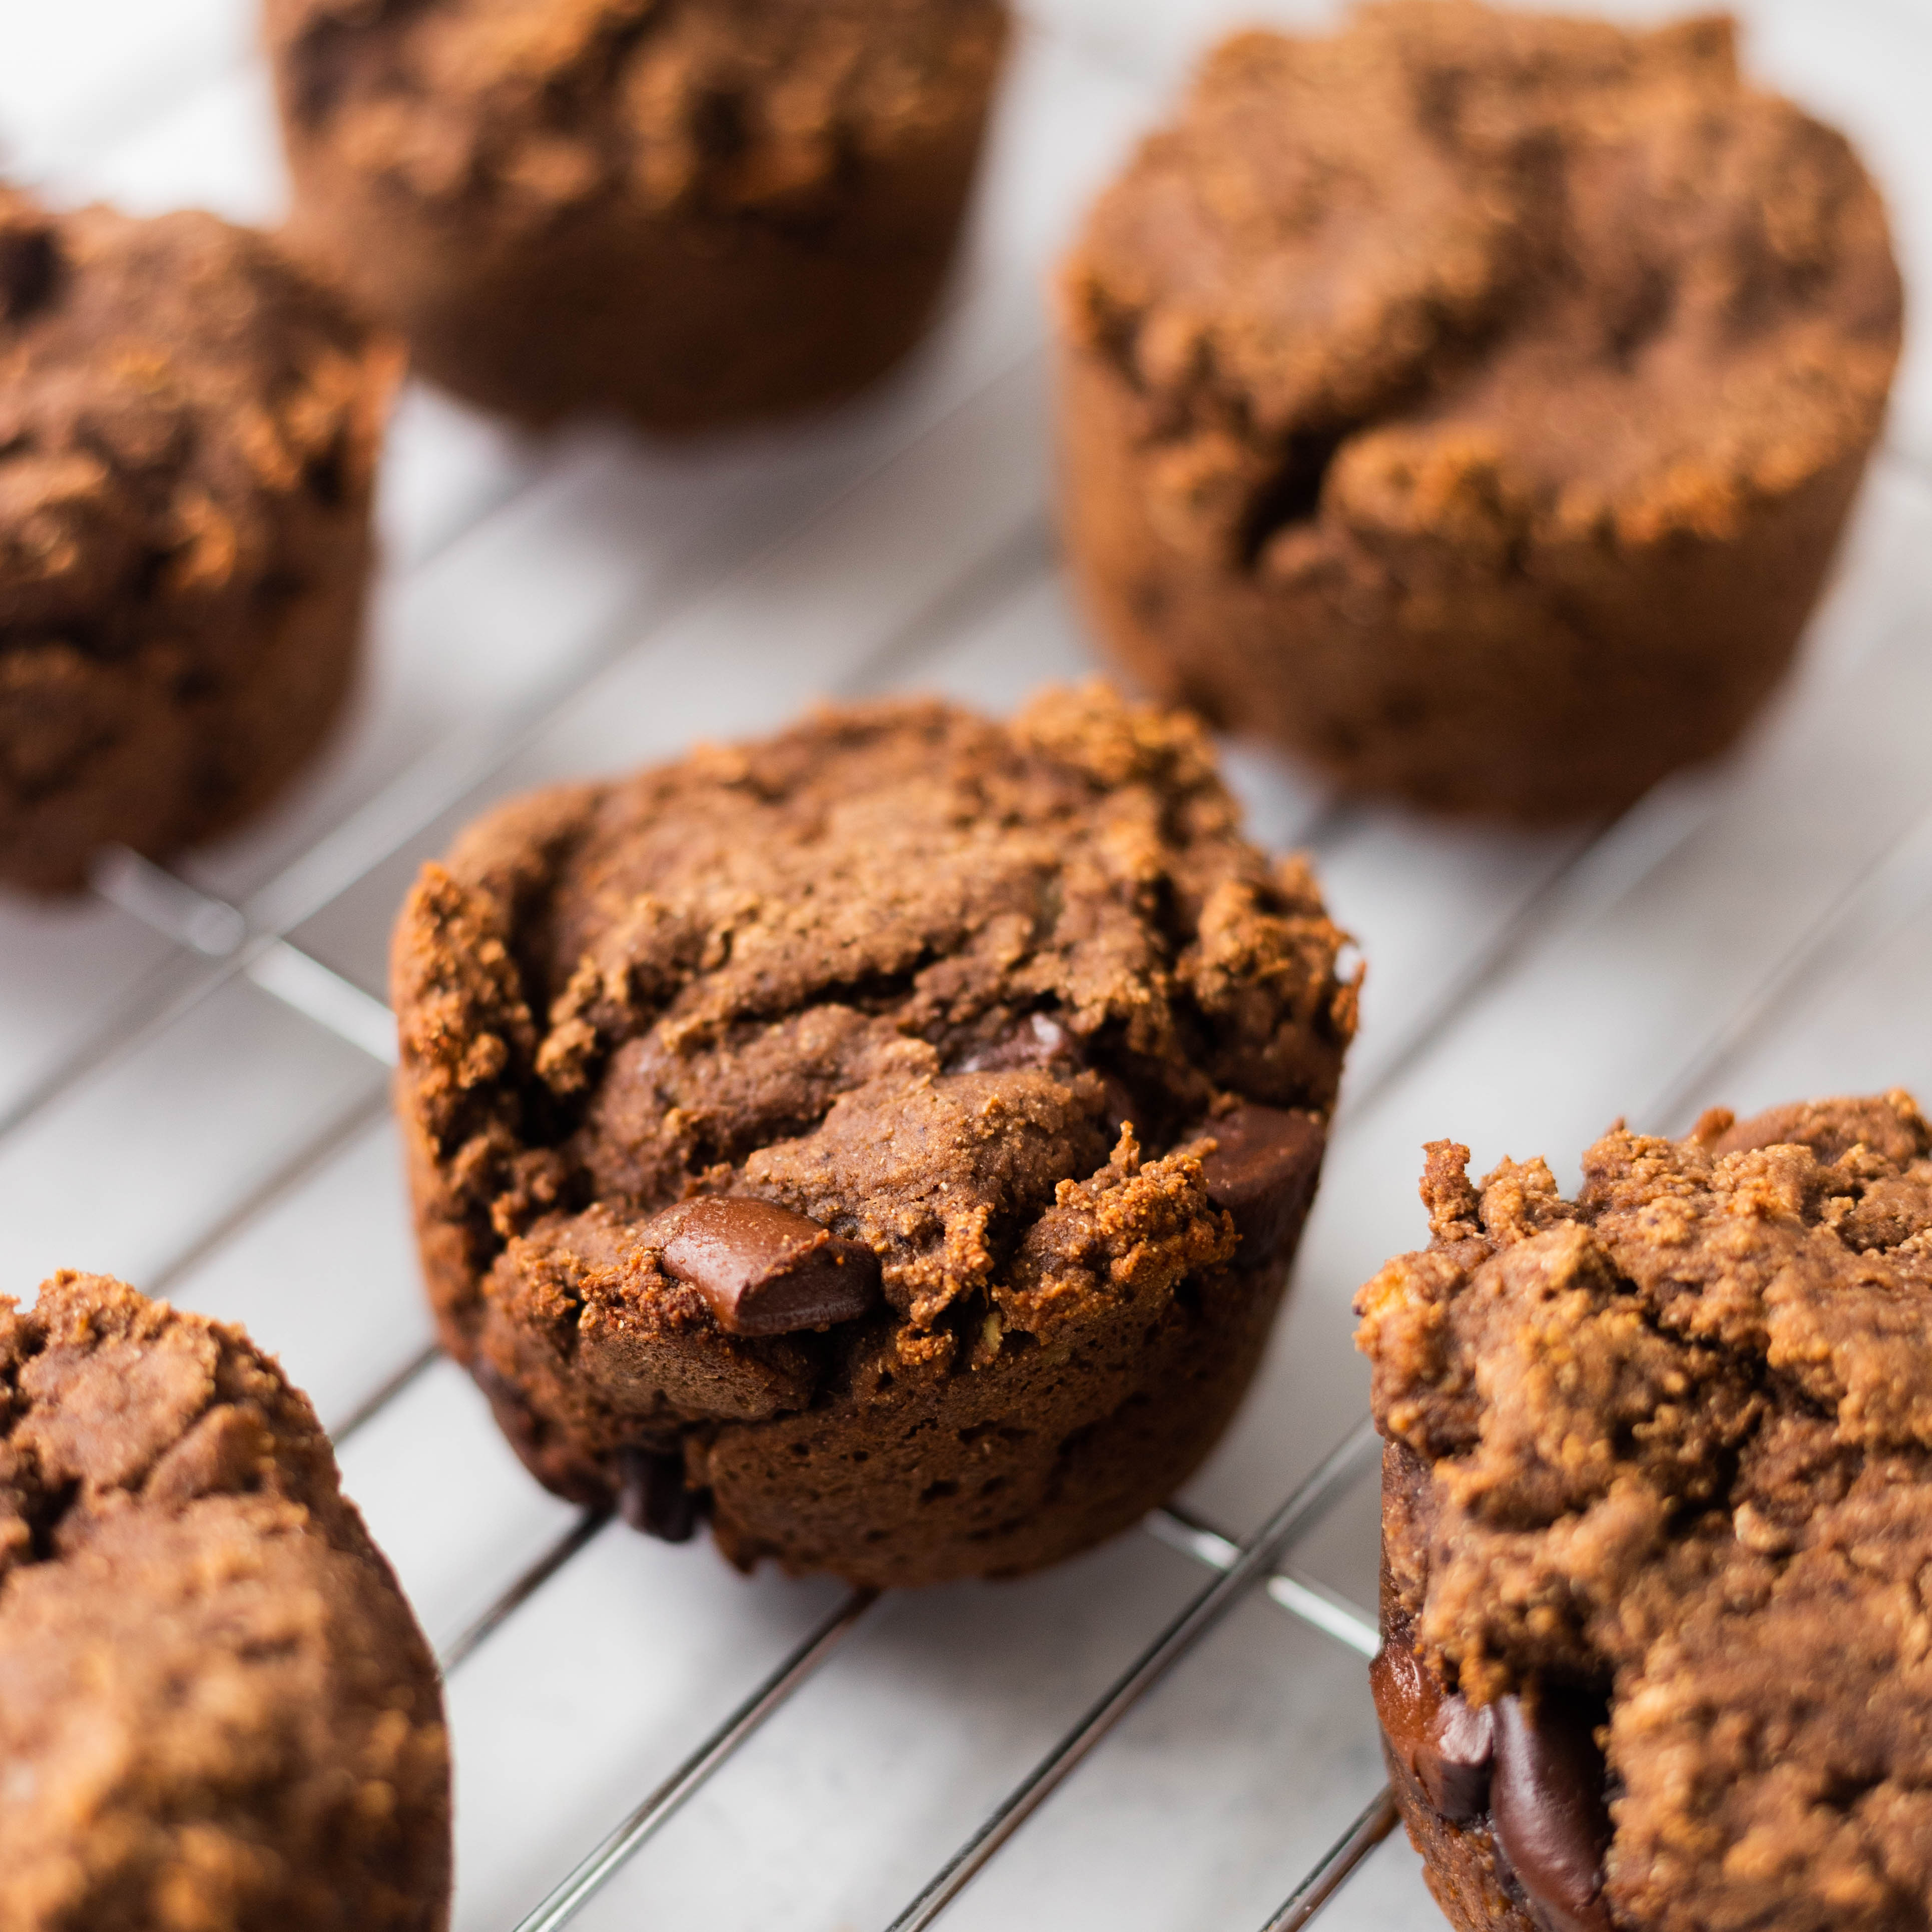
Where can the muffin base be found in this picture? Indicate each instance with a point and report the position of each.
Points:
(904, 1474)
(1558, 684)
(998, 1472)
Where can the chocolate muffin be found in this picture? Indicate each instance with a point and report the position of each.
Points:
(891, 1137)
(1656, 1518)
(188, 432)
(1471, 401)
(693, 212)
(216, 1709)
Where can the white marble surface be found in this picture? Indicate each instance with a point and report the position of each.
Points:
(554, 605)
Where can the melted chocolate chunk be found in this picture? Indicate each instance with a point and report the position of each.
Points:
(1263, 1172)
(652, 1495)
(1036, 1041)
(1447, 1743)
(1404, 1695)
(765, 1270)
(1042, 1042)
(1547, 1812)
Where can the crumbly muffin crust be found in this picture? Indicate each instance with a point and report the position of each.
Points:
(907, 974)
(692, 209)
(188, 434)
(1669, 1446)
(1471, 399)
(215, 1707)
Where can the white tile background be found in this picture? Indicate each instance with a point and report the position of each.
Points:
(587, 601)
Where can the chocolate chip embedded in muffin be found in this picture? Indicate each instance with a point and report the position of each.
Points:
(1471, 401)
(1657, 1508)
(901, 1129)
(763, 1269)
(693, 212)
(215, 1707)
(188, 433)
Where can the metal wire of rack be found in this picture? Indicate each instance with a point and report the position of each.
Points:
(1742, 989)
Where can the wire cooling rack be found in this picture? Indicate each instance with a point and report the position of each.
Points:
(193, 1091)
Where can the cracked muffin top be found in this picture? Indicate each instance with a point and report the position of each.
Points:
(900, 969)
(1671, 1442)
(178, 405)
(748, 107)
(215, 1707)
(1499, 276)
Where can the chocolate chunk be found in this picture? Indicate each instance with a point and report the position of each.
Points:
(1454, 1767)
(1406, 1697)
(765, 1270)
(29, 261)
(1264, 1172)
(1036, 1041)
(1446, 1742)
(1548, 1813)
(652, 1495)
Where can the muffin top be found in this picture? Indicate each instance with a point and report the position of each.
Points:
(725, 107)
(177, 402)
(1487, 274)
(1671, 1443)
(901, 971)
(215, 1708)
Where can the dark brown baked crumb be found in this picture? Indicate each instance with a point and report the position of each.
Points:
(692, 210)
(188, 432)
(1471, 400)
(908, 975)
(1669, 1446)
(216, 1709)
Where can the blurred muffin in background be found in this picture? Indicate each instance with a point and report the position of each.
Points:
(189, 428)
(691, 211)
(1471, 401)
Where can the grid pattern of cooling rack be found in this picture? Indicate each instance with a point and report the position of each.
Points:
(192, 1081)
